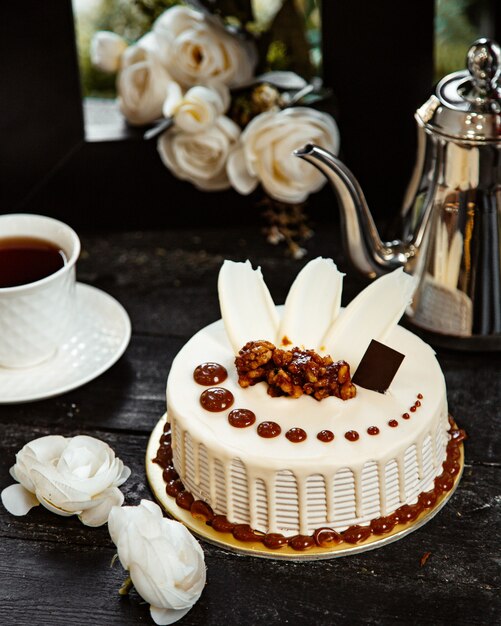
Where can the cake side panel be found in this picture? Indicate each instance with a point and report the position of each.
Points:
(295, 502)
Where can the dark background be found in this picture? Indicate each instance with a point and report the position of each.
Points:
(377, 57)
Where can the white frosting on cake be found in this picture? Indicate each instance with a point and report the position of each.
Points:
(279, 486)
(275, 485)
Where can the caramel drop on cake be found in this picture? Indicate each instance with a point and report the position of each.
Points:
(210, 374)
(268, 430)
(216, 399)
(241, 418)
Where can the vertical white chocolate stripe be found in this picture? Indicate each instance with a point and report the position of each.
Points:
(401, 478)
(212, 481)
(269, 485)
(381, 469)
(182, 466)
(329, 497)
(357, 479)
(230, 511)
(302, 500)
(434, 454)
(196, 462)
(419, 455)
(251, 482)
(262, 505)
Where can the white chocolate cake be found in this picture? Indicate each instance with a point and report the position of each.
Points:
(289, 466)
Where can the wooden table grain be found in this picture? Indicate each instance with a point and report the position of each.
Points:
(54, 571)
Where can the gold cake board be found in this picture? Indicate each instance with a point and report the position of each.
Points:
(228, 542)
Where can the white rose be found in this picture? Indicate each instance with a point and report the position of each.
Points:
(145, 49)
(165, 562)
(198, 108)
(69, 476)
(141, 87)
(106, 49)
(264, 153)
(200, 158)
(196, 51)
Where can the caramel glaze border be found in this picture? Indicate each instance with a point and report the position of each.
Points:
(324, 537)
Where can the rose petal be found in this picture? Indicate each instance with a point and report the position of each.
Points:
(371, 315)
(141, 91)
(283, 80)
(228, 127)
(156, 572)
(90, 464)
(147, 516)
(55, 509)
(240, 177)
(173, 99)
(50, 486)
(167, 616)
(98, 515)
(312, 304)
(146, 48)
(18, 500)
(124, 475)
(106, 49)
(247, 308)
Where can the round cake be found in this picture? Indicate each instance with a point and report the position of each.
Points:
(293, 463)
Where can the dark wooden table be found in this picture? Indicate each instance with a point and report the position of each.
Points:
(55, 571)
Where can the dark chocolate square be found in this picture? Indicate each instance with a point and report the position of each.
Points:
(378, 367)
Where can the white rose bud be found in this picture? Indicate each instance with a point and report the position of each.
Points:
(106, 49)
(141, 87)
(165, 562)
(264, 153)
(200, 158)
(198, 108)
(69, 476)
(196, 51)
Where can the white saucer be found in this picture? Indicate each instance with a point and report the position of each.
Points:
(100, 337)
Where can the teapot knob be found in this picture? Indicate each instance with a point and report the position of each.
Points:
(484, 66)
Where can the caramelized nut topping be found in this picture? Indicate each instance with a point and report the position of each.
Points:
(293, 372)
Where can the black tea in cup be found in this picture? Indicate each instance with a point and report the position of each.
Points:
(25, 260)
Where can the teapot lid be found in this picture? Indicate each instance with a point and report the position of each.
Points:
(467, 104)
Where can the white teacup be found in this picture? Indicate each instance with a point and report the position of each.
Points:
(35, 317)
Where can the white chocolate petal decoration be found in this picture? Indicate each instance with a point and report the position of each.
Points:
(371, 315)
(247, 308)
(312, 304)
(18, 500)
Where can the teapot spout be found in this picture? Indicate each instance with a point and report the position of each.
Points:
(366, 251)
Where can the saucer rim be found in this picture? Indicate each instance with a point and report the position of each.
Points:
(78, 382)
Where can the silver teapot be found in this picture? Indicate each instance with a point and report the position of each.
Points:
(451, 214)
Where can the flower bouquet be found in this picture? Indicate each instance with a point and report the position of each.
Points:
(195, 80)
